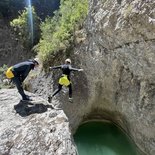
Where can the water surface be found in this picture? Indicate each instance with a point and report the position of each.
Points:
(102, 138)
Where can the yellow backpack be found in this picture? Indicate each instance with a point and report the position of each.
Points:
(64, 81)
(9, 73)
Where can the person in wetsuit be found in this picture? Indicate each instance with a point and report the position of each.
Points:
(19, 72)
(64, 80)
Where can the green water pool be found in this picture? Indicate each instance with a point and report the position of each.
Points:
(102, 138)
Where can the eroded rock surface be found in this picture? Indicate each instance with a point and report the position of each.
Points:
(117, 53)
(118, 57)
(32, 128)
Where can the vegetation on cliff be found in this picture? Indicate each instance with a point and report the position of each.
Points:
(57, 33)
(22, 28)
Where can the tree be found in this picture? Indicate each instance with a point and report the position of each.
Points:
(57, 32)
(22, 28)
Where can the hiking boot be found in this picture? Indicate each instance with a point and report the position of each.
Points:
(26, 98)
(49, 99)
(70, 99)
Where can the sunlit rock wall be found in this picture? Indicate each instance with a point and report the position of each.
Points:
(116, 49)
(118, 57)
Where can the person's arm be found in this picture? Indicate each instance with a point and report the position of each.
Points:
(76, 69)
(55, 67)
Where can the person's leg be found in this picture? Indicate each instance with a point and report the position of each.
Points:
(18, 84)
(54, 93)
(57, 90)
(70, 90)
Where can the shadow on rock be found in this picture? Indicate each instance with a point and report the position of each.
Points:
(26, 109)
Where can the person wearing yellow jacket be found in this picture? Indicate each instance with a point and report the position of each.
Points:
(64, 80)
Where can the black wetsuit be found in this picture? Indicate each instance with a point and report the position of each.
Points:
(20, 71)
(66, 70)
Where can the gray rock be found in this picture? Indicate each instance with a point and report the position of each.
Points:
(32, 128)
(118, 59)
(118, 82)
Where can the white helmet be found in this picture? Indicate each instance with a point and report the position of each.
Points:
(36, 60)
(68, 61)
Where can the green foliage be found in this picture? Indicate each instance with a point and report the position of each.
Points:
(21, 26)
(57, 32)
(3, 69)
(4, 82)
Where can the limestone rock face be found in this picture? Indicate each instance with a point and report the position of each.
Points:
(117, 53)
(118, 57)
(32, 128)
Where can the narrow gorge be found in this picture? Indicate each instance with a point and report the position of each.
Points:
(116, 49)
